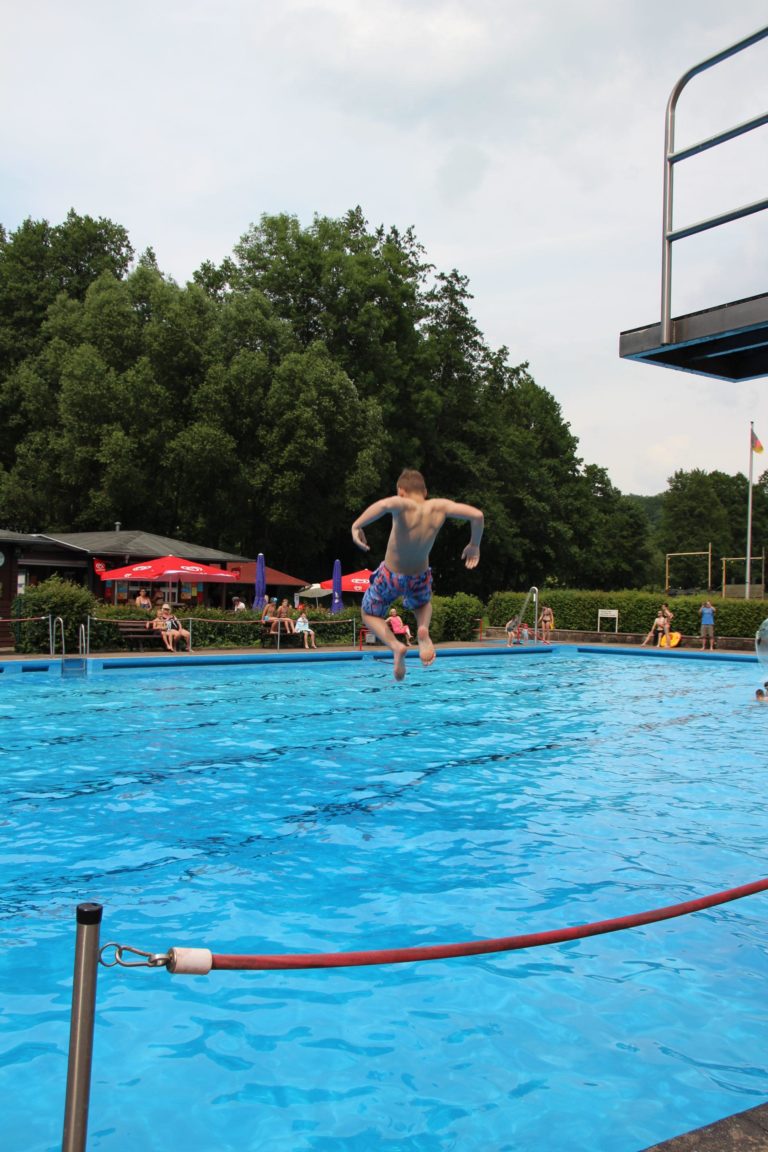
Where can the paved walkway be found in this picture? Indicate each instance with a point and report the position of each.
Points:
(744, 1132)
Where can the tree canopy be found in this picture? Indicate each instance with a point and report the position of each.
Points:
(701, 508)
(264, 404)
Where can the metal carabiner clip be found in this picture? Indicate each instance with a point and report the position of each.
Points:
(151, 959)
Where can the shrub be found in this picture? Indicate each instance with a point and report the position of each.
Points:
(54, 597)
(459, 617)
(334, 629)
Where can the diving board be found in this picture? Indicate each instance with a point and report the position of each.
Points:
(729, 342)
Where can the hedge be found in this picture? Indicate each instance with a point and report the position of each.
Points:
(75, 604)
(240, 630)
(577, 611)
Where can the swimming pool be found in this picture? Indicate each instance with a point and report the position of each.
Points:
(325, 808)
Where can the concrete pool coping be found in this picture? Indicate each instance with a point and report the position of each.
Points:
(742, 1132)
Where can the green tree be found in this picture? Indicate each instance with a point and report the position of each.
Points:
(204, 480)
(318, 457)
(613, 537)
(263, 405)
(38, 261)
(692, 518)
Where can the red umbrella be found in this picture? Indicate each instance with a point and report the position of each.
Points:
(272, 575)
(168, 568)
(354, 582)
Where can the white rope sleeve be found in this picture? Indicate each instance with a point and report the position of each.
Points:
(190, 961)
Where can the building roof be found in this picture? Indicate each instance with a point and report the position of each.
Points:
(273, 576)
(137, 545)
(7, 537)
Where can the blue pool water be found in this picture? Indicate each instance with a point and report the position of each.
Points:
(325, 808)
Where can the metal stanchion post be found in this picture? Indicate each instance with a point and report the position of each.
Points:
(81, 1028)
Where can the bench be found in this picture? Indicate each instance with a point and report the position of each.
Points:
(268, 637)
(136, 633)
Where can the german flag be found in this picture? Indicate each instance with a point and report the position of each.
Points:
(756, 445)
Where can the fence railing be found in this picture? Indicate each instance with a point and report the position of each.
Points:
(19, 620)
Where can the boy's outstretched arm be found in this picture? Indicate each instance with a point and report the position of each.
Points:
(373, 512)
(471, 554)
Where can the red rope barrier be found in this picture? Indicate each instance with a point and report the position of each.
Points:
(20, 619)
(480, 947)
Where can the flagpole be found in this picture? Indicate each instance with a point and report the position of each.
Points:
(749, 510)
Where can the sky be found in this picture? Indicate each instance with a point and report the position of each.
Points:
(522, 141)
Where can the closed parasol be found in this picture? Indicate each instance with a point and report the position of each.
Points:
(260, 584)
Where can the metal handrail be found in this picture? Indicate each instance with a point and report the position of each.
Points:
(532, 592)
(671, 158)
(58, 620)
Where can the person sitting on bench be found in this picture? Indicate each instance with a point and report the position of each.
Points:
(173, 631)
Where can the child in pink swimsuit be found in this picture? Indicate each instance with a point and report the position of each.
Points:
(405, 572)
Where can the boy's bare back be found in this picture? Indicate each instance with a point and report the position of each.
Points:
(416, 521)
(415, 525)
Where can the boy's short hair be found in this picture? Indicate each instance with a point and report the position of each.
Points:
(412, 481)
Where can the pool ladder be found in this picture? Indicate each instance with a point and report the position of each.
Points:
(533, 594)
(71, 665)
(533, 631)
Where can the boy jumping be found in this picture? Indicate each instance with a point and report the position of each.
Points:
(405, 572)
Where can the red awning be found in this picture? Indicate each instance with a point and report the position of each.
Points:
(274, 576)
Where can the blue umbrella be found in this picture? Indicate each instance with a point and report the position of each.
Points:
(260, 590)
(336, 601)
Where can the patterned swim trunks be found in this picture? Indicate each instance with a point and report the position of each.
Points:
(386, 586)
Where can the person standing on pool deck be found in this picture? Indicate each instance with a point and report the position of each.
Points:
(416, 521)
(707, 613)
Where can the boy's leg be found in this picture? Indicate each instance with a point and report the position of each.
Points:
(382, 630)
(423, 616)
